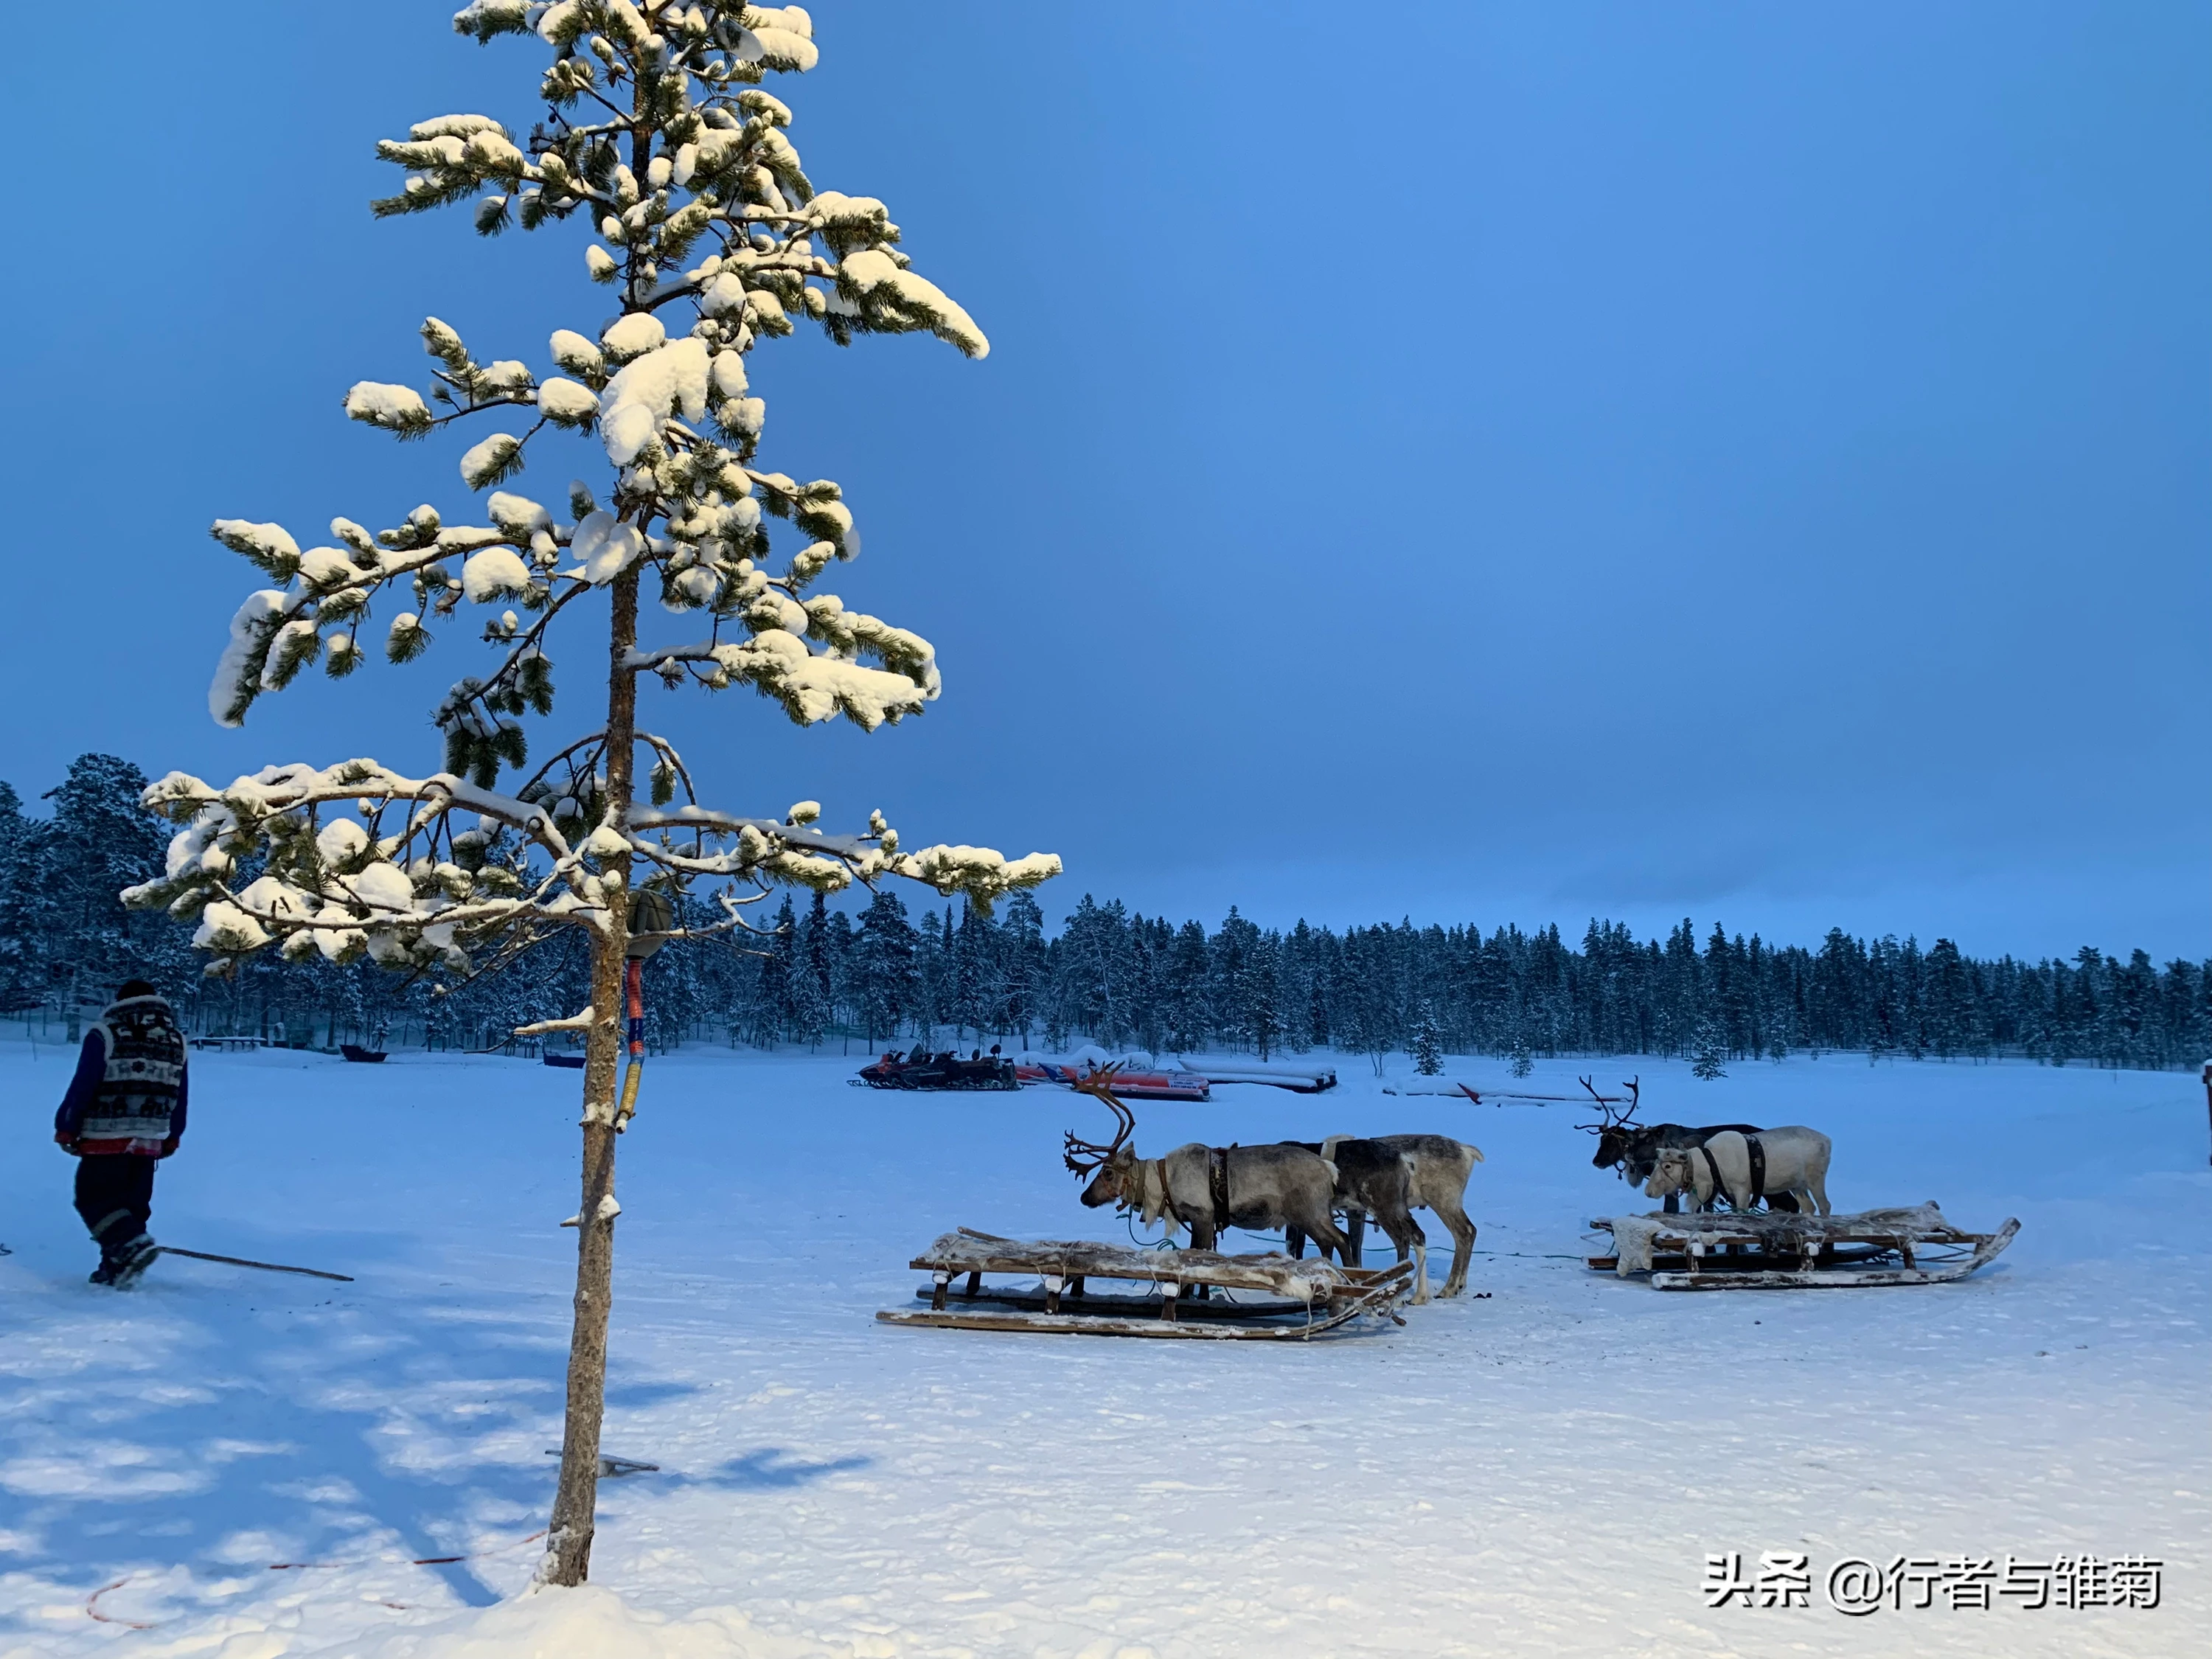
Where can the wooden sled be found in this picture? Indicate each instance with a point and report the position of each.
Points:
(1283, 1299)
(1770, 1250)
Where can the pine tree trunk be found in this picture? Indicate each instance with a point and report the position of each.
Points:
(568, 1543)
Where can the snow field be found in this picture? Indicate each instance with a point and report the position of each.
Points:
(1541, 1472)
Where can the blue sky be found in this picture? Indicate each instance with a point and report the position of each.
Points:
(1478, 463)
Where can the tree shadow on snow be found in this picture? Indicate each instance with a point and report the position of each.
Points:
(636, 1396)
(774, 1468)
(265, 1438)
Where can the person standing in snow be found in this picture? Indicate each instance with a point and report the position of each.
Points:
(124, 1111)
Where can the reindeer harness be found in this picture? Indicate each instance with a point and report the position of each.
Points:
(1217, 1184)
(1757, 1155)
(1147, 1192)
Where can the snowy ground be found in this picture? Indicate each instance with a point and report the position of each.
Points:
(1543, 1472)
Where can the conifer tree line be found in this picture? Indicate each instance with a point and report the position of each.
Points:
(887, 975)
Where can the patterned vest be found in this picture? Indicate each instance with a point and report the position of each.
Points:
(145, 1058)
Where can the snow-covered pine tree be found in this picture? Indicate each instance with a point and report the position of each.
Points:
(100, 840)
(1027, 975)
(884, 954)
(1263, 996)
(1185, 1020)
(1711, 1061)
(22, 957)
(657, 138)
(766, 1011)
(810, 990)
(975, 974)
(931, 980)
(1428, 1043)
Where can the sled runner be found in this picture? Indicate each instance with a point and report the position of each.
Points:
(1760, 1250)
(1263, 1297)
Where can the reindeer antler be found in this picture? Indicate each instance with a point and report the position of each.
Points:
(1083, 1157)
(1605, 1105)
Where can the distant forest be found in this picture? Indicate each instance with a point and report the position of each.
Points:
(888, 974)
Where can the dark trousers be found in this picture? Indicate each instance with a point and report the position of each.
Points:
(115, 1196)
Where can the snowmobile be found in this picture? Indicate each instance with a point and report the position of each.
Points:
(918, 1069)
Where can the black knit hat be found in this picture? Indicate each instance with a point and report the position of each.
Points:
(137, 987)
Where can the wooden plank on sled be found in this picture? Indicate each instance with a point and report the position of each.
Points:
(1987, 1248)
(1304, 1298)
(1066, 1324)
(1923, 1221)
(1093, 1306)
(966, 1252)
(1676, 1261)
(1055, 1293)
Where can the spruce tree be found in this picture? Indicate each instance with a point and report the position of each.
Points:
(1428, 1043)
(1185, 1022)
(1026, 975)
(976, 976)
(840, 950)
(658, 141)
(768, 1007)
(887, 984)
(26, 944)
(811, 991)
(1711, 1061)
(1262, 979)
(102, 840)
(928, 980)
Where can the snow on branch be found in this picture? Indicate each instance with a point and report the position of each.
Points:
(811, 688)
(657, 135)
(427, 888)
(657, 142)
(411, 893)
(982, 874)
(582, 1022)
(794, 851)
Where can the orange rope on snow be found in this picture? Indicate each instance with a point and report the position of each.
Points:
(92, 1605)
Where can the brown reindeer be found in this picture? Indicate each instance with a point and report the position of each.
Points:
(1435, 1170)
(1204, 1188)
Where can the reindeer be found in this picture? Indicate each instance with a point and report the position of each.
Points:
(1635, 1147)
(1371, 1179)
(1437, 1171)
(1204, 1188)
(1744, 1168)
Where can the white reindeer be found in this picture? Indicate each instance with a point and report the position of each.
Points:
(1795, 1161)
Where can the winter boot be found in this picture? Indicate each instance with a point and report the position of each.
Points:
(131, 1260)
